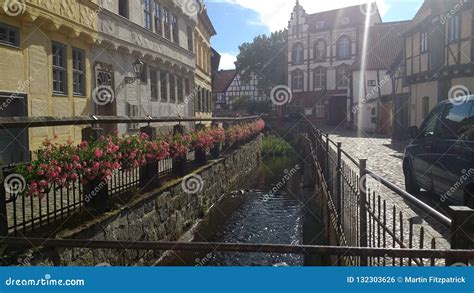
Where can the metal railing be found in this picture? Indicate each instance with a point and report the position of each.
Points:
(336, 251)
(22, 215)
(362, 215)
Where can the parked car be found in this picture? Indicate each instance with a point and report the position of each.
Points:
(440, 159)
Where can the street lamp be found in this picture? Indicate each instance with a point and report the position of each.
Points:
(138, 69)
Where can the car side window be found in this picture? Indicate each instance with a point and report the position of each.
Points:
(429, 126)
(456, 122)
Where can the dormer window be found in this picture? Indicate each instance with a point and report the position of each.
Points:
(320, 25)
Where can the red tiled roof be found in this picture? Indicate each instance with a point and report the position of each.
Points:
(384, 45)
(222, 80)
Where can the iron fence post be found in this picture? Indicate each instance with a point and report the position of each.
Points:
(363, 208)
(462, 231)
(339, 183)
(3, 208)
(149, 173)
(180, 165)
(327, 159)
(96, 192)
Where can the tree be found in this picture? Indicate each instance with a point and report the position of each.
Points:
(267, 58)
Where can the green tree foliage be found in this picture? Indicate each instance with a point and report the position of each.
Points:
(266, 57)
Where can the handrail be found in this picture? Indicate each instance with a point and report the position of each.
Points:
(46, 121)
(420, 204)
(239, 247)
(412, 199)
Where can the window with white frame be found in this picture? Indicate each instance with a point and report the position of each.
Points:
(344, 47)
(166, 23)
(298, 52)
(9, 35)
(79, 71)
(180, 87)
(320, 50)
(454, 27)
(158, 19)
(164, 87)
(132, 111)
(342, 76)
(298, 80)
(154, 84)
(424, 41)
(320, 78)
(172, 82)
(148, 14)
(59, 68)
(174, 28)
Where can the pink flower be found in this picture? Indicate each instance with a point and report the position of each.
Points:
(98, 153)
(96, 166)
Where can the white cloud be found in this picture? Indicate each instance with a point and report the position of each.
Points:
(227, 61)
(275, 14)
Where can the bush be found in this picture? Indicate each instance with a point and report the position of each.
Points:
(275, 146)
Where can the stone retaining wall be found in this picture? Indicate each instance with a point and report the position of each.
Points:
(163, 215)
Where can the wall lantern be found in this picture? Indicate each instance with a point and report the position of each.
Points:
(138, 70)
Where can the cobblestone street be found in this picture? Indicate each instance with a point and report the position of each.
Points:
(386, 159)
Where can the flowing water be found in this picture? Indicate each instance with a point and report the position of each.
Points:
(269, 208)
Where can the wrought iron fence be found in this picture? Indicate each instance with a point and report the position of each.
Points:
(43, 216)
(362, 215)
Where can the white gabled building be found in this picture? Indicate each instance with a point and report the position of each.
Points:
(322, 48)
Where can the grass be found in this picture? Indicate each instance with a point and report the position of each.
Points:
(275, 146)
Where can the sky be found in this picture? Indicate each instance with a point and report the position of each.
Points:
(239, 21)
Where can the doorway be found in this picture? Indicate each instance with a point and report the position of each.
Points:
(337, 110)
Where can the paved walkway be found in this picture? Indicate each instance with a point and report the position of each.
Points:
(386, 159)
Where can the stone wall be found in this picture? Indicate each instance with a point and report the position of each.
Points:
(163, 215)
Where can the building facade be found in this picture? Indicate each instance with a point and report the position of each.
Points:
(322, 48)
(45, 68)
(371, 81)
(231, 86)
(203, 75)
(157, 33)
(439, 51)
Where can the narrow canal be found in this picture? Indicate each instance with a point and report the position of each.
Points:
(270, 207)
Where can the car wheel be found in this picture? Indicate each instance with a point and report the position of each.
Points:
(410, 183)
